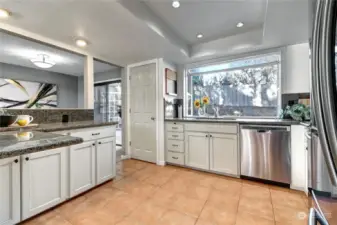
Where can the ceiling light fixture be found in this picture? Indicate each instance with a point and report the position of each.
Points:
(43, 61)
(81, 43)
(240, 24)
(175, 4)
(4, 14)
(200, 36)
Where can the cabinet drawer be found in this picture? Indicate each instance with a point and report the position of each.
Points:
(94, 133)
(176, 158)
(175, 127)
(209, 127)
(175, 146)
(174, 136)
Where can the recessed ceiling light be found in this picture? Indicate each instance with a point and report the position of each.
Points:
(4, 14)
(175, 4)
(43, 61)
(200, 36)
(81, 43)
(240, 24)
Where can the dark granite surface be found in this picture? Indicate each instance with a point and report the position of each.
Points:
(236, 120)
(52, 127)
(54, 115)
(23, 142)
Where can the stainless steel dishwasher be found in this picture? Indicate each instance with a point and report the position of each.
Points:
(265, 152)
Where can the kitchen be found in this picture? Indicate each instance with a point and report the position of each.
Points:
(227, 112)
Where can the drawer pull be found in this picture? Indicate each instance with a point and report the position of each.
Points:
(94, 134)
(175, 128)
(175, 136)
(16, 161)
(174, 157)
(175, 145)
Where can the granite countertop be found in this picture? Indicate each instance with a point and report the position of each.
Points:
(52, 127)
(236, 120)
(17, 143)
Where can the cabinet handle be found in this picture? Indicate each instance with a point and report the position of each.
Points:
(175, 145)
(16, 161)
(175, 136)
(206, 135)
(99, 142)
(174, 157)
(175, 128)
(27, 158)
(174, 123)
(93, 144)
(210, 135)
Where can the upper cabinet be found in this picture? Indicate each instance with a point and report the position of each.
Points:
(296, 69)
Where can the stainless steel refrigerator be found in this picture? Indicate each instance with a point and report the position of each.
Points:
(323, 151)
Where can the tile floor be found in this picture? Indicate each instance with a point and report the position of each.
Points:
(146, 194)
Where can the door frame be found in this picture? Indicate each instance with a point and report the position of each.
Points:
(159, 108)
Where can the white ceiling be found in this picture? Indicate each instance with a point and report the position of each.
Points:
(19, 51)
(130, 31)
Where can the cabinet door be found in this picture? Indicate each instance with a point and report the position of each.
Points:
(44, 181)
(9, 191)
(224, 153)
(82, 167)
(197, 150)
(106, 159)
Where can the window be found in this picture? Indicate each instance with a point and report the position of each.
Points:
(243, 87)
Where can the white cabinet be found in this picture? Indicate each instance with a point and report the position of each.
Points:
(197, 150)
(224, 153)
(44, 181)
(106, 158)
(296, 69)
(9, 191)
(82, 167)
(299, 168)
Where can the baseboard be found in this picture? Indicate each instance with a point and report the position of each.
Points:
(297, 188)
(161, 163)
(125, 157)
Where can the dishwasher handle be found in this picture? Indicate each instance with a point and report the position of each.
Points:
(263, 129)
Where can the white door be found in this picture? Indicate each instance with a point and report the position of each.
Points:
(44, 181)
(224, 153)
(143, 112)
(82, 167)
(197, 150)
(106, 159)
(10, 191)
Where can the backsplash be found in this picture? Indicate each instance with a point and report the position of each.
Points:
(55, 115)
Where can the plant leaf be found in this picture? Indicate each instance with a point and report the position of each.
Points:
(17, 84)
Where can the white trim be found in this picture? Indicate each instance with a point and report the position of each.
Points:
(105, 81)
(161, 163)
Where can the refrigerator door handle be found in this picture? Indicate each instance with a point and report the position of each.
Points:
(327, 89)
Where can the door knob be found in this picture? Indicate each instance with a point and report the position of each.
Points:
(152, 118)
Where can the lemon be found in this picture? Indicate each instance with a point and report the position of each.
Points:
(22, 122)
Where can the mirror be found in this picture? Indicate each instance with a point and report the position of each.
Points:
(35, 75)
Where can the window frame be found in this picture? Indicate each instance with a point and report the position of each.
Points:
(278, 51)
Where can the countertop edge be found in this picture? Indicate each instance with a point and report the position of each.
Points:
(267, 122)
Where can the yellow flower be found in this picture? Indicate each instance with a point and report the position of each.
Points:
(197, 103)
(205, 100)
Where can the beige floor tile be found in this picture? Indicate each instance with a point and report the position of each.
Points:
(219, 214)
(130, 221)
(187, 205)
(223, 197)
(172, 217)
(135, 187)
(256, 206)
(162, 197)
(158, 179)
(148, 213)
(205, 222)
(257, 192)
(250, 219)
(51, 217)
(287, 214)
(289, 199)
(228, 184)
(304, 222)
(250, 183)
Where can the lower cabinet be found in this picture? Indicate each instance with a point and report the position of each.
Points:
(44, 181)
(105, 155)
(224, 153)
(10, 191)
(197, 150)
(82, 167)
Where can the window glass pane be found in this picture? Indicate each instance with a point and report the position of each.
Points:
(236, 64)
(248, 91)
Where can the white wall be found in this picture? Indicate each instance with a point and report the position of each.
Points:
(66, 84)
